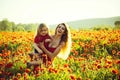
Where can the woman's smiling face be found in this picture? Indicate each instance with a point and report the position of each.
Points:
(60, 29)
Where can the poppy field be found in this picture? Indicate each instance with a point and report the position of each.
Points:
(94, 55)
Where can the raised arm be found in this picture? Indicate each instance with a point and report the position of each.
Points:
(54, 54)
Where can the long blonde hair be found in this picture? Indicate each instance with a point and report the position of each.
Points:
(40, 27)
(66, 37)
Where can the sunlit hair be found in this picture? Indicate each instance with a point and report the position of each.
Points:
(40, 27)
(66, 37)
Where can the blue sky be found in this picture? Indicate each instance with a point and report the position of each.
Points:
(55, 11)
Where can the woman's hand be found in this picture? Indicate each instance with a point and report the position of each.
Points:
(41, 45)
(47, 40)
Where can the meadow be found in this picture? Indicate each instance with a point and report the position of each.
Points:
(95, 55)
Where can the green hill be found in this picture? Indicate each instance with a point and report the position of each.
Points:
(89, 23)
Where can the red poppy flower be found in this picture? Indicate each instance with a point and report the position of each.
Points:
(9, 65)
(115, 71)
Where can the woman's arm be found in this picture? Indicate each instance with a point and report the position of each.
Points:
(52, 55)
(37, 48)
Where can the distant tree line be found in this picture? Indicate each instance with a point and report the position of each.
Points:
(102, 27)
(117, 24)
(6, 25)
(108, 27)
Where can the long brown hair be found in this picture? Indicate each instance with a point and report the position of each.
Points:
(66, 37)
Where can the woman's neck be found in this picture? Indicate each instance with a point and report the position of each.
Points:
(57, 36)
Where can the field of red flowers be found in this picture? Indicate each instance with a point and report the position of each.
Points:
(95, 55)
